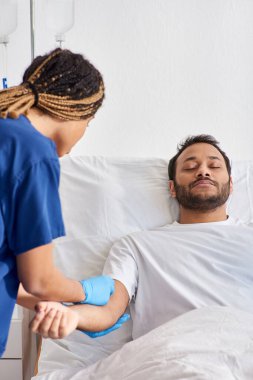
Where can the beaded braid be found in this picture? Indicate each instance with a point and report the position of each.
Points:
(61, 83)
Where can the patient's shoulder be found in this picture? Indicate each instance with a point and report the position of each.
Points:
(147, 234)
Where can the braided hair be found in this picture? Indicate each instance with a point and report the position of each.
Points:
(61, 83)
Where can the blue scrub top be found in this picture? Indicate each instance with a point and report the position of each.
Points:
(30, 209)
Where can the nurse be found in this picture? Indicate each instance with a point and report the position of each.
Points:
(41, 120)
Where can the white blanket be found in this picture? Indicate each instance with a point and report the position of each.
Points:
(209, 343)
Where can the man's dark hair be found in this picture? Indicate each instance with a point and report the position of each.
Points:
(207, 139)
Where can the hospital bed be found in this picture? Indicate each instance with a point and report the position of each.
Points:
(104, 199)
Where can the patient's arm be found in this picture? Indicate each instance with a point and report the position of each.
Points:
(100, 318)
(56, 321)
(26, 299)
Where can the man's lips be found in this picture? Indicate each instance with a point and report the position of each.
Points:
(202, 183)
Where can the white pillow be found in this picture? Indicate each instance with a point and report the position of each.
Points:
(240, 204)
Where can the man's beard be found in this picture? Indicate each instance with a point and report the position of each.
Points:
(203, 202)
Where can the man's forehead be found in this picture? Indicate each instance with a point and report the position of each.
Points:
(200, 150)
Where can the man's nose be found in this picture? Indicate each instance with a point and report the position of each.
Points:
(203, 171)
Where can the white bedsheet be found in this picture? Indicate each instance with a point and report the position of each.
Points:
(209, 343)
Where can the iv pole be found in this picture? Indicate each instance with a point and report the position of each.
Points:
(32, 27)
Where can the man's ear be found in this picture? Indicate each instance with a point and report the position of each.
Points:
(172, 189)
(231, 184)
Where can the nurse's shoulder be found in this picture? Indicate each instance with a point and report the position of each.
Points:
(21, 146)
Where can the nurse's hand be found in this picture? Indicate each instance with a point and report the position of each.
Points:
(98, 290)
(117, 325)
(53, 320)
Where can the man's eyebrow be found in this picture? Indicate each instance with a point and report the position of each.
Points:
(193, 158)
(214, 158)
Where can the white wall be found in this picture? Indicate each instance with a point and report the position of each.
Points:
(171, 68)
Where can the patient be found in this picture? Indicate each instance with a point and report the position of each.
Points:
(203, 259)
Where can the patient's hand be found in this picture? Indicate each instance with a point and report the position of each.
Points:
(53, 320)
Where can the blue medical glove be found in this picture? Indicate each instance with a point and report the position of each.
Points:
(97, 290)
(118, 324)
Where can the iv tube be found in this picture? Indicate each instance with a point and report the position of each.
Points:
(4, 83)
